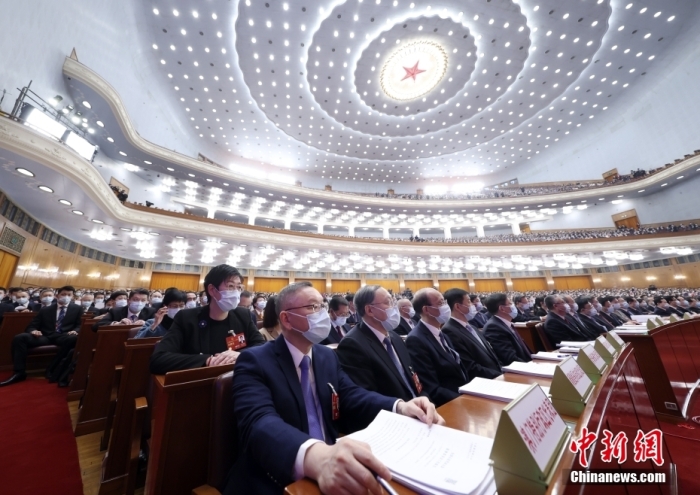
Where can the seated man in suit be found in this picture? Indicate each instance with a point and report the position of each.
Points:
(587, 313)
(338, 311)
(693, 305)
(191, 300)
(477, 319)
(291, 398)
(406, 312)
(556, 326)
(372, 354)
(57, 324)
(675, 306)
(663, 308)
(633, 306)
(434, 358)
(475, 351)
(353, 319)
(131, 311)
(46, 298)
(210, 335)
(98, 304)
(159, 325)
(500, 332)
(156, 300)
(19, 302)
(523, 305)
(572, 316)
(607, 311)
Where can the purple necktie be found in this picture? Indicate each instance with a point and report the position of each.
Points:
(315, 429)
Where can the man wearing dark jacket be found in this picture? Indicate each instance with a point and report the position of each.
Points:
(210, 335)
(132, 311)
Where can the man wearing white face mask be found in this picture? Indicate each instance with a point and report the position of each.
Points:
(501, 333)
(338, 312)
(159, 325)
(407, 313)
(291, 399)
(434, 358)
(372, 354)
(128, 311)
(211, 335)
(523, 305)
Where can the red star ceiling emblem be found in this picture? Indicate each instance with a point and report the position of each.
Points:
(412, 72)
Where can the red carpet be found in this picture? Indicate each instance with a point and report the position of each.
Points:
(38, 454)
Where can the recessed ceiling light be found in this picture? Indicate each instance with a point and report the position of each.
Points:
(94, 220)
(87, 104)
(24, 171)
(77, 212)
(147, 162)
(122, 153)
(110, 139)
(46, 189)
(125, 229)
(100, 123)
(191, 175)
(65, 202)
(179, 237)
(154, 233)
(170, 169)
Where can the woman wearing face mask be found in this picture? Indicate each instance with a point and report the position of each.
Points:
(173, 302)
(259, 306)
(203, 298)
(211, 335)
(271, 323)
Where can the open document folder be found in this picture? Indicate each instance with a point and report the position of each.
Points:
(430, 459)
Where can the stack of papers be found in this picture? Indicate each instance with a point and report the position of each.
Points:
(569, 350)
(545, 370)
(496, 389)
(550, 356)
(434, 460)
(634, 330)
(570, 343)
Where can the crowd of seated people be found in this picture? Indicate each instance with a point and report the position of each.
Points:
(375, 349)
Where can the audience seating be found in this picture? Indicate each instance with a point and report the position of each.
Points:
(14, 324)
(82, 357)
(131, 385)
(543, 342)
(182, 408)
(532, 333)
(109, 352)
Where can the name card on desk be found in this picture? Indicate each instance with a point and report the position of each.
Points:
(591, 362)
(570, 388)
(615, 340)
(529, 441)
(605, 349)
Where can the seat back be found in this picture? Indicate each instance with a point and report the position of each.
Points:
(223, 440)
(12, 324)
(546, 343)
(82, 357)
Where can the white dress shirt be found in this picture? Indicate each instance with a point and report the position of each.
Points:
(435, 331)
(471, 330)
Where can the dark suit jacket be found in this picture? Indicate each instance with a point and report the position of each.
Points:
(45, 319)
(504, 343)
(479, 360)
(579, 325)
(272, 422)
(610, 318)
(558, 329)
(333, 336)
(479, 320)
(523, 318)
(118, 314)
(439, 373)
(403, 328)
(594, 326)
(190, 340)
(353, 319)
(368, 364)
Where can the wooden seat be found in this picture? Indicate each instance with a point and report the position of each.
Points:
(109, 352)
(181, 437)
(544, 340)
(222, 439)
(13, 324)
(131, 384)
(82, 357)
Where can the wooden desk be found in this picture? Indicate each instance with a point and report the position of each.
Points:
(618, 402)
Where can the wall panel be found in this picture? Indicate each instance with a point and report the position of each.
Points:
(529, 284)
(453, 284)
(344, 286)
(8, 265)
(573, 282)
(416, 285)
(387, 284)
(490, 285)
(263, 284)
(183, 281)
(319, 284)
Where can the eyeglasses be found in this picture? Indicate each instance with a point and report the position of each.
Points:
(315, 308)
(239, 288)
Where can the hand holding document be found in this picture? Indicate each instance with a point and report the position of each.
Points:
(431, 459)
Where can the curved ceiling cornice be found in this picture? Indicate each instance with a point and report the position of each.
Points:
(42, 150)
(107, 106)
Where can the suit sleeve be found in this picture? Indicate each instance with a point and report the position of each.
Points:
(468, 357)
(168, 356)
(78, 320)
(355, 363)
(36, 323)
(426, 373)
(108, 319)
(502, 346)
(264, 435)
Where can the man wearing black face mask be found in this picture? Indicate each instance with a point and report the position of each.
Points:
(210, 335)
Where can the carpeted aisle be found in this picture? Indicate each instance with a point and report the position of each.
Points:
(38, 453)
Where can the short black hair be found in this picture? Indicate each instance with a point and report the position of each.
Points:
(630, 299)
(173, 295)
(42, 291)
(336, 302)
(363, 297)
(582, 301)
(494, 301)
(473, 297)
(246, 293)
(134, 292)
(67, 288)
(604, 299)
(658, 299)
(114, 295)
(518, 297)
(270, 318)
(218, 275)
(349, 297)
(258, 296)
(550, 301)
(455, 296)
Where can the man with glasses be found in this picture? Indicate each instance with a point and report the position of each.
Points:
(373, 354)
(210, 335)
(291, 398)
(339, 312)
(434, 358)
(556, 326)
